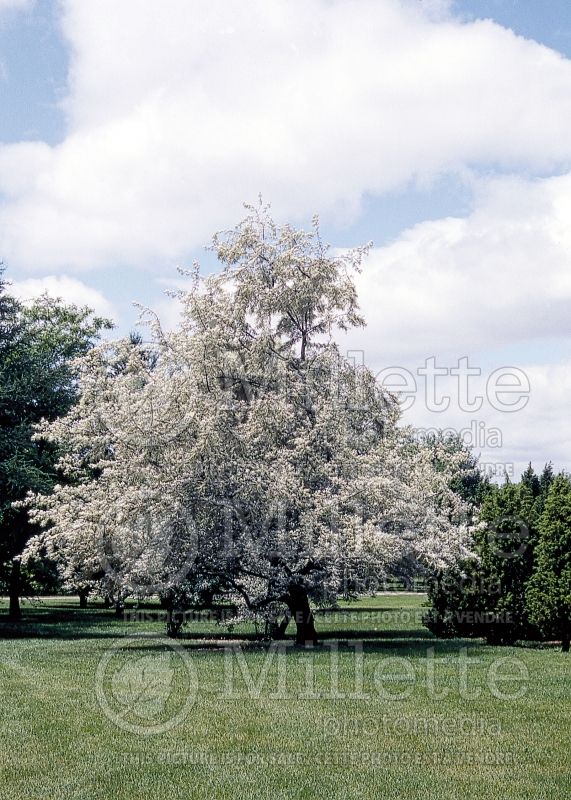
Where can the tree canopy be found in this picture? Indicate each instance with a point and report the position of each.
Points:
(549, 590)
(248, 457)
(38, 344)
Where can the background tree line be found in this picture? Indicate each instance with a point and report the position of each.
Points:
(517, 586)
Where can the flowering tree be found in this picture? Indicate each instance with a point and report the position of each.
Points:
(247, 457)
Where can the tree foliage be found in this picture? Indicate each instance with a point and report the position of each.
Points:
(248, 457)
(38, 344)
(549, 590)
(488, 594)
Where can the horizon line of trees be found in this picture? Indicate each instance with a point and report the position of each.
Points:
(517, 584)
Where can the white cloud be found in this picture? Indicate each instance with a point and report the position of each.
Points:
(500, 276)
(177, 112)
(68, 289)
(542, 431)
(437, 8)
(506, 441)
(494, 283)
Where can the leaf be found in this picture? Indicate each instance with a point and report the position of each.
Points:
(144, 686)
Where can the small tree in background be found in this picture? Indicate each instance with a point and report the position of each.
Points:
(38, 344)
(549, 590)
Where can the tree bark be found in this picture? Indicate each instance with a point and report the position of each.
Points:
(119, 606)
(175, 622)
(83, 599)
(277, 630)
(565, 642)
(298, 604)
(15, 612)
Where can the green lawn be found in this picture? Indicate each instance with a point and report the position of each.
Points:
(83, 692)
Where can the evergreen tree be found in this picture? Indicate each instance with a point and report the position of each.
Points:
(549, 590)
(545, 482)
(485, 595)
(530, 479)
(506, 549)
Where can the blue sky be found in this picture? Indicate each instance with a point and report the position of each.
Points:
(131, 131)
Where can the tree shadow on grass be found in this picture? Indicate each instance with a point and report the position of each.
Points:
(62, 622)
(407, 645)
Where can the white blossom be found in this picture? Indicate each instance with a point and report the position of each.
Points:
(241, 452)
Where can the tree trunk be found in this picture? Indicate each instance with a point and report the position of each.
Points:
(175, 621)
(277, 630)
(119, 606)
(298, 604)
(15, 612)
(565, 643)
(83, 598)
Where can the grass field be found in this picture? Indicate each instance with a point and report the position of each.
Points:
(94, 707)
